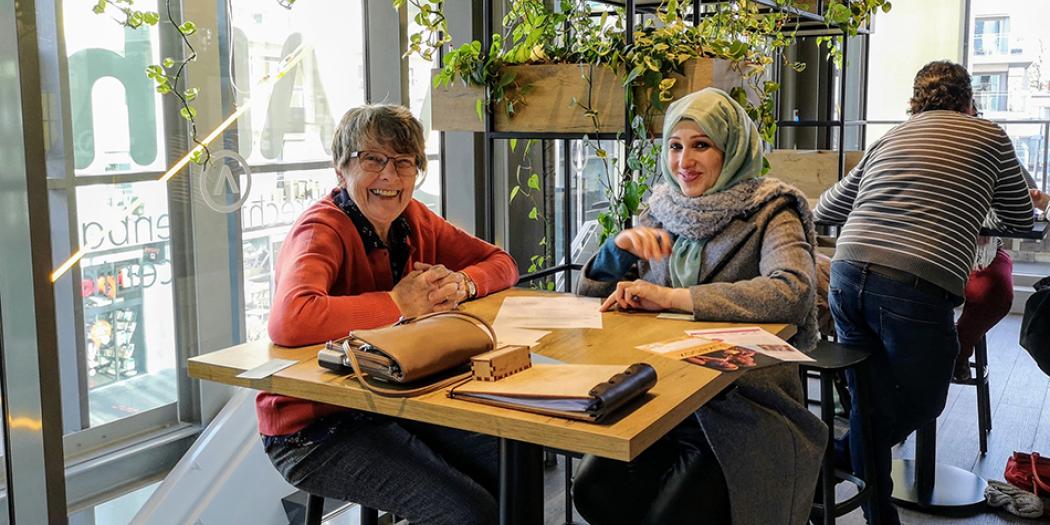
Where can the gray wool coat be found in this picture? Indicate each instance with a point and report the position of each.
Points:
(759, 268)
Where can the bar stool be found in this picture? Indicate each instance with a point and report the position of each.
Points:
(315, 511)
(984, 403)
(829, 358)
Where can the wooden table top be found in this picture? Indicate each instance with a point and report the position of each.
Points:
(676, 394)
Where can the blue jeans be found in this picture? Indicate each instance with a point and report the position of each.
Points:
(911, 335)
(425, 473)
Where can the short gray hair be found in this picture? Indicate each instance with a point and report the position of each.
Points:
(379, 124)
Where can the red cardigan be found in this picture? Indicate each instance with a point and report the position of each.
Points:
(327, 285)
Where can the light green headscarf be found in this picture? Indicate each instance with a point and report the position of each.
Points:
(733, 132)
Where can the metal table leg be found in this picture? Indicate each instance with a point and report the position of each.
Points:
(520, 483)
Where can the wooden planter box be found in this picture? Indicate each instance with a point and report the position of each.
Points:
(548, 106)
(812, 171)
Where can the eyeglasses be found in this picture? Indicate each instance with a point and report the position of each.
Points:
(376, 162)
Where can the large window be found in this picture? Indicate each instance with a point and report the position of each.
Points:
(125, 345)
(419, 89)
(153, 261)
(286, 137)
(1011, 84)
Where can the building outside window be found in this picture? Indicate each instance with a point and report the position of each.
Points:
(1010, 64)
(990, 91)
(991, 36)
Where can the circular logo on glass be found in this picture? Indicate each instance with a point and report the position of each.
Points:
(221, 182)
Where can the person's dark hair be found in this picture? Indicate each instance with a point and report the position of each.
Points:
(941, 85)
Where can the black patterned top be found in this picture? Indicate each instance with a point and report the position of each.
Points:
(398, 235)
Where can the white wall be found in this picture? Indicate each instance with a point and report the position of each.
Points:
(909, 36)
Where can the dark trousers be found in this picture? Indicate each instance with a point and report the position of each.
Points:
(425, 473)
(676, 480)
(911, 334)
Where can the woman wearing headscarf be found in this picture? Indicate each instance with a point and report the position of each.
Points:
(722, 243)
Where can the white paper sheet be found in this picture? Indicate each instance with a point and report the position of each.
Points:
(512, 335)
(566, 311)
(754, 338)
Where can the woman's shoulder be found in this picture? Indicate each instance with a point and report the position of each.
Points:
(774, 195)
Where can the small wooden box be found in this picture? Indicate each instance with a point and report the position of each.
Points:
(501, 362)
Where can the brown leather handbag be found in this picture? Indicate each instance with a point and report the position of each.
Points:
(412, 350)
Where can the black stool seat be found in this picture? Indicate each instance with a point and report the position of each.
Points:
(829, 358)
(832, 356)
(315, 509)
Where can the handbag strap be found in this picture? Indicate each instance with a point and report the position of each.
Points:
(394, 392)
(457, 313)
(1037, 482)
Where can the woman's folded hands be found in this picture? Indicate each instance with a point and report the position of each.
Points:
(429, 288)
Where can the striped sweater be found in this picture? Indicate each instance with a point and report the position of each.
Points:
(917, 199)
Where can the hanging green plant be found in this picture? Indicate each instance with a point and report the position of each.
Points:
(433, 33)
(849, 16)
(741, 32)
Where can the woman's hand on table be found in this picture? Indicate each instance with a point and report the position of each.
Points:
(1040, 199)
(643, 295)
(645, 243)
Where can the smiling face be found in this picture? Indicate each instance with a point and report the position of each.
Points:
(693, 158)
(382, 196)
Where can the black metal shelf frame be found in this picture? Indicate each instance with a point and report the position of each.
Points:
(804, 21)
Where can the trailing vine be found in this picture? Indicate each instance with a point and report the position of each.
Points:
(430, 17)
(168, 75)
(531, 189)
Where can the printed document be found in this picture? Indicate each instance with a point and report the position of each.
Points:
(754, 338)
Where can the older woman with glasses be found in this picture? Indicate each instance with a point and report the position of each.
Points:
(362, 257)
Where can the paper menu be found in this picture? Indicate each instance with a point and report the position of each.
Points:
(683, 347)
(754, 338)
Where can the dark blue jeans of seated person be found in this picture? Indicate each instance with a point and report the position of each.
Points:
(911, 334)
(427, 474)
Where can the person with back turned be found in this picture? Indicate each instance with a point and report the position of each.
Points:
(912, 210)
